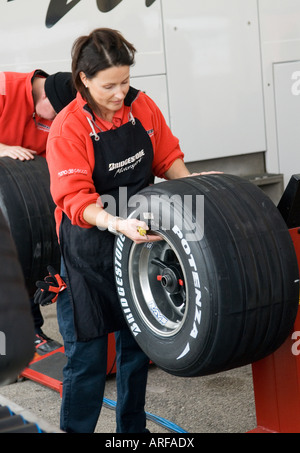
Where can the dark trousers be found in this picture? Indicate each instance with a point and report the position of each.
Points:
(85, 376)
(37, 316)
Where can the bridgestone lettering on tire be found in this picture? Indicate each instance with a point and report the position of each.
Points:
(198, 307)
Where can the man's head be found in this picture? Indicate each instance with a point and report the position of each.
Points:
(52, 94)
(59, 90)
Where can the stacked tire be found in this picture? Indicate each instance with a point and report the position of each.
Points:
(16, 323)
(28, 245)
(28, 208)
(219, 290)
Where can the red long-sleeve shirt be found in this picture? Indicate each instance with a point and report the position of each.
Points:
(18, 125)
(70, 152)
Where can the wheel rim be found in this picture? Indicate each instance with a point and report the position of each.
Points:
(157, 282)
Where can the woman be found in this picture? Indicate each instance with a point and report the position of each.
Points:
(112, 136)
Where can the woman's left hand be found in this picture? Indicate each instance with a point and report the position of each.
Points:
(204, 173)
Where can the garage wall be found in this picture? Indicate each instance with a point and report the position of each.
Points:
(214, 76)
(213, 66)
(280, 47)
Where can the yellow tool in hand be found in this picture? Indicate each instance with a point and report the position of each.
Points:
(141, 231)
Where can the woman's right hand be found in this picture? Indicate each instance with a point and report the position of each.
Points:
(136, 230)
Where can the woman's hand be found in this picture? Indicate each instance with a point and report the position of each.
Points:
(179, 170)
(204, 173)
(136, 230)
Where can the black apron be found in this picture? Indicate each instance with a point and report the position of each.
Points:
(123, 158)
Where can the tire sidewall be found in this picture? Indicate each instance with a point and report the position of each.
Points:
(187, 344)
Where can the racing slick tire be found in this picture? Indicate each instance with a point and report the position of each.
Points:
(28, 208)
(221, 288)
(16, 323)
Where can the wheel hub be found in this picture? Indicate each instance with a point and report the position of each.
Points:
(170, 280)
(156, 276)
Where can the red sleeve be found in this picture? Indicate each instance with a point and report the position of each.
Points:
(2, 91)
(1, 104)
(71, 183)
(165, 145)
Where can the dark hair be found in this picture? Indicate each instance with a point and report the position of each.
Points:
(103, 48)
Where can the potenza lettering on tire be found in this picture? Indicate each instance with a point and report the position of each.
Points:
(196, 280)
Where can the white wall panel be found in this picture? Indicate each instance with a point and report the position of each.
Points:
(280, 42)
(287, 101)
(214, 76)
(156, 87)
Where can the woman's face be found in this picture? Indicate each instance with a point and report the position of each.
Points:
(109, 88)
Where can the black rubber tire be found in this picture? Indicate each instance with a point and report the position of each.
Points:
(27, 205)
(239, 282)
(16, 323)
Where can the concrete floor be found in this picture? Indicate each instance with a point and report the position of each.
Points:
(220, 403)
